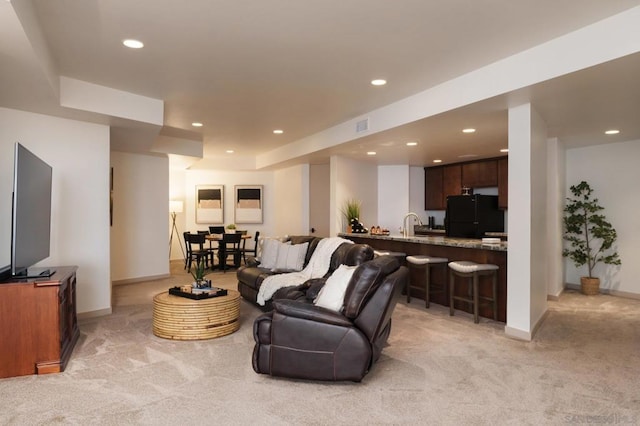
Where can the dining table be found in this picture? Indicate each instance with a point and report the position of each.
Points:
(217, 238)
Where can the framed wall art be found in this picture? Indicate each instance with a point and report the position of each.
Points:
(209, 203)
(248, 204)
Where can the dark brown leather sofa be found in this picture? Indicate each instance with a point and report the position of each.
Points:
(300, 340)
(250, 277)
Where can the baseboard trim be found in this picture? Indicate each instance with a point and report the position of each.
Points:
(94, 314)
(141, 279)
(555, 297)
(517, 334)
(616, 293)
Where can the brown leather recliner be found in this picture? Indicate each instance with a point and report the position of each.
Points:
(300, 340)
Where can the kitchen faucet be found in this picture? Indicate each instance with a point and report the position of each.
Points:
(405, 230)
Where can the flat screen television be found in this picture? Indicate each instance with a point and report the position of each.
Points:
(31, 214)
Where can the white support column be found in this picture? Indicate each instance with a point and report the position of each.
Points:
(528, 243)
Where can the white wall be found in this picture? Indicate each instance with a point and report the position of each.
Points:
(139, 237)
(291, 200)
(319, 177)
(612, 171)
(393, 197)
(177, 192)
(416, 193)
(351, 179)
(229, 179)
(555, 205)
(79, 155)
(540, 259)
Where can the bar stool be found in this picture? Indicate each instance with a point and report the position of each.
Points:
(472, 270)
(425, 262)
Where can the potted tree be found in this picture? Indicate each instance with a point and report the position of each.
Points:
(589, 234)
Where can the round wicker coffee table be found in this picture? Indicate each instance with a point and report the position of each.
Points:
(180, 318)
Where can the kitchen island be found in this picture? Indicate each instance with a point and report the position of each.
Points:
(453, 249)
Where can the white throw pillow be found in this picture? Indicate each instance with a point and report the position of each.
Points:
(331, 295)
(261, 241)
(269, 255)
(291, 257)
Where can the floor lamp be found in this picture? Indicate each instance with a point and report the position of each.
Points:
(175, 207)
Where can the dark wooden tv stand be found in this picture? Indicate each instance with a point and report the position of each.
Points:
(38, 323)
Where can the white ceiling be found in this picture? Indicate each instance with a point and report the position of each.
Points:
(244, 68)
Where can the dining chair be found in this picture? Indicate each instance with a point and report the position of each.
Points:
(216, 229)
(229, 246)
(211, 249)
(251, 251)
(196, 249)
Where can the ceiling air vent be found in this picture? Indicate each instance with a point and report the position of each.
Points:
(362, 125)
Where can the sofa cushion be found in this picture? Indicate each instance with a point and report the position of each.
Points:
(252, 276)
(261, 241)
(269, 256)
(290, 257)
(313, 243)
(331, 296)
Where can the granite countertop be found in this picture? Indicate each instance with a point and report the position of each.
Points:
(435, 240)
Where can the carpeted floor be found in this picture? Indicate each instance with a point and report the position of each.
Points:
(582, 367)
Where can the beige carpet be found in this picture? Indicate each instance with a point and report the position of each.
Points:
(582, 368)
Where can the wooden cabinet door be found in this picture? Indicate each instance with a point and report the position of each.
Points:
(433, 181)
(503, 182)
(480, 174)
(452, 182)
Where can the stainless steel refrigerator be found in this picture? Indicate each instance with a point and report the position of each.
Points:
(470, 216)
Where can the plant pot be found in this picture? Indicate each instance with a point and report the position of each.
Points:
(590, 286)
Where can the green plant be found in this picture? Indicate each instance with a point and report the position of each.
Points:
(351, 209)
(587, 230)
(231, 226)
(198, 272)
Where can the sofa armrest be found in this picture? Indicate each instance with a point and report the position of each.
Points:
(252, 261)
(307, 311)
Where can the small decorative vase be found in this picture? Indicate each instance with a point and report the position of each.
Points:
(204, 283)
(590, 286)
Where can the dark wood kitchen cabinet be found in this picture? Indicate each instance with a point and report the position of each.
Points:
(480, 174)
(441, 182)
(451, 182)
(503, 182)
(433, 179)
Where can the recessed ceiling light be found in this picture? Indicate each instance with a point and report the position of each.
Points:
(133, 44)
(504, 150)
(469, 130)
(229, 151)
(378, 82)
(196, 124)
(278, 132)
(412, 143)
(612, 132)
(437, 161)
(371, 153)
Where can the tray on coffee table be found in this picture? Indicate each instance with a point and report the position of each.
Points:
(206, 294)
